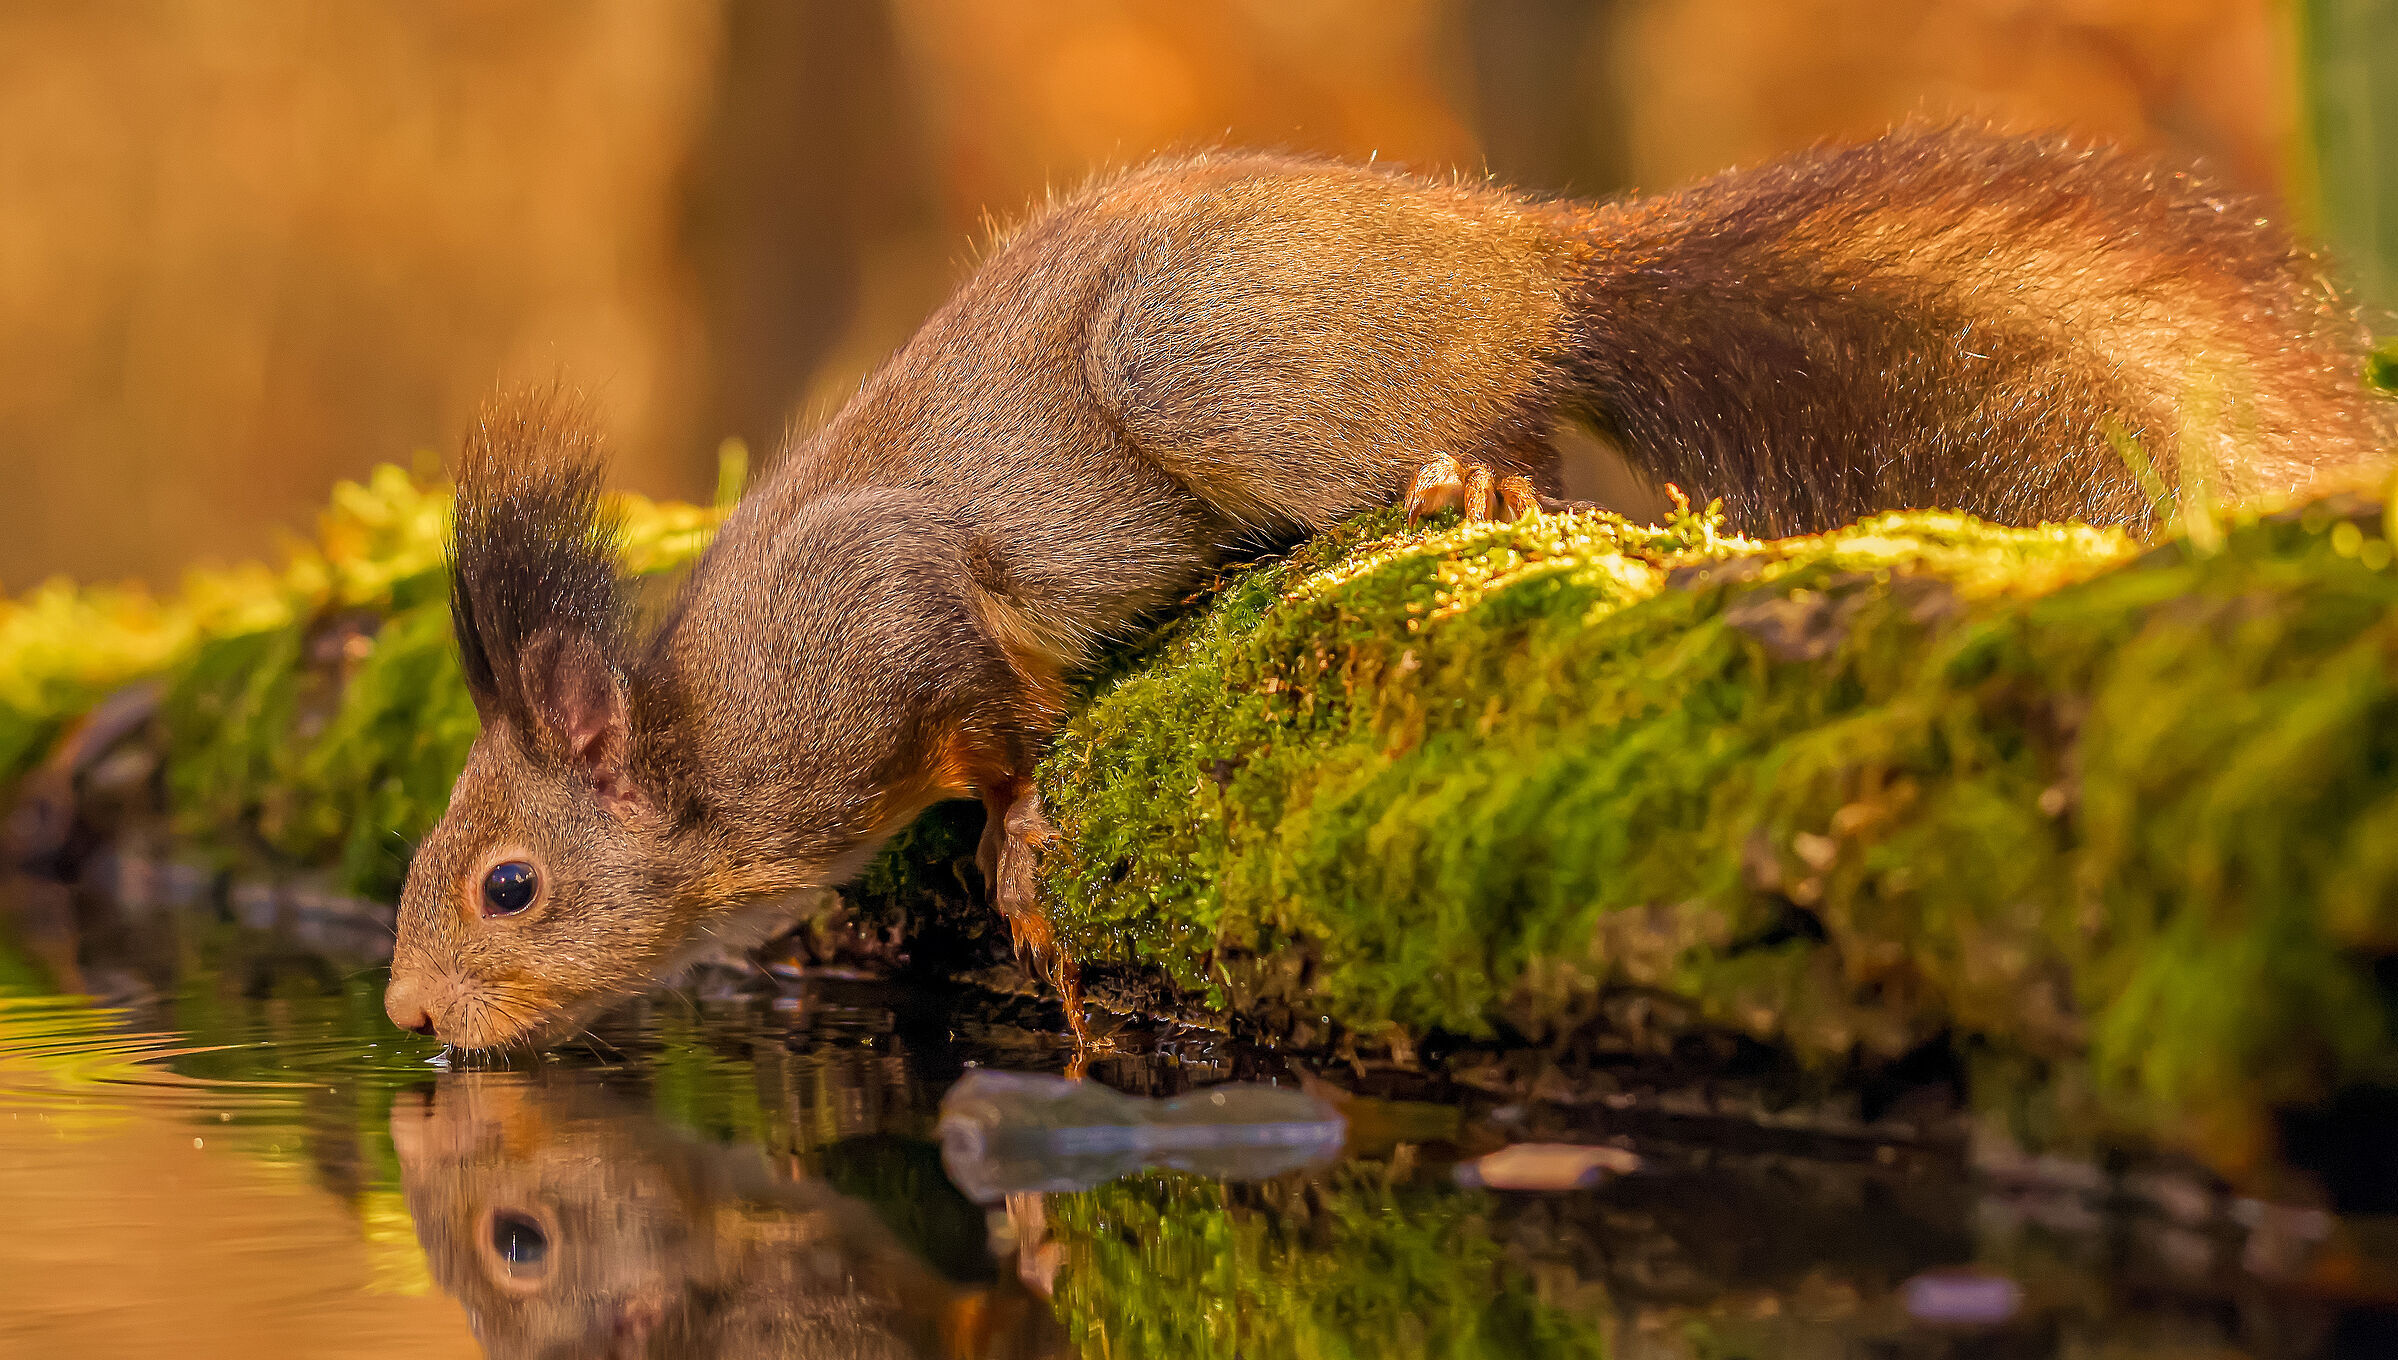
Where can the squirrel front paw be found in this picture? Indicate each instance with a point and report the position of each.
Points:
(1012, 843)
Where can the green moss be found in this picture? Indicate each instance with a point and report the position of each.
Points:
(2381, 366)
(312, 715)
(2112, 811)
(380, 775)
(1166, 1265)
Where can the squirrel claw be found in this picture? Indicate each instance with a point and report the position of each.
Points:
(1480, 490)
(1038, 953)
(1521, 500)
(1438, 486)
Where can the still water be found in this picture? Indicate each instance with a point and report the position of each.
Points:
(212, 1144)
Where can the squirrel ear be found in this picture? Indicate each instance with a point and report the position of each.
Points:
(578, 701)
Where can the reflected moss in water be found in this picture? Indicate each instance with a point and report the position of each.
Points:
(903, 1181)
(708, 1092)
(1350, 1266)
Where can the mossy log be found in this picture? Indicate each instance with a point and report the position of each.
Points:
(2116, 825)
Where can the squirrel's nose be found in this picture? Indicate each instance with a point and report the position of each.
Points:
(404, 1004)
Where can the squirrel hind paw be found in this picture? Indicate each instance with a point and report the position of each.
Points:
(1447, 482)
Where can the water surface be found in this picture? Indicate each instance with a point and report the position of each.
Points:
(211, 1143)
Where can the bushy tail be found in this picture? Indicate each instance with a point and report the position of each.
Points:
(532, 549)
(1954, 317)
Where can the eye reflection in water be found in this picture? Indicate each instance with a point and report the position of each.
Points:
(570, 1221)
(522, 1247)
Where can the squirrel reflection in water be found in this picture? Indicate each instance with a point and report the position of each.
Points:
(569, 1222)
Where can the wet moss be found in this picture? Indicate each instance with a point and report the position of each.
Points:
(2110, 816)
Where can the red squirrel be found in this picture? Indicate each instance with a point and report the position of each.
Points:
(1210, 349)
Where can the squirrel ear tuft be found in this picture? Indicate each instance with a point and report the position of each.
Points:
(578, 707)
(534, 592)
(532, 545)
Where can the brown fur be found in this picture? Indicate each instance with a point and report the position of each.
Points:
(1210, 349)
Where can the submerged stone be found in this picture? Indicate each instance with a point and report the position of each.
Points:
(1007, 1133)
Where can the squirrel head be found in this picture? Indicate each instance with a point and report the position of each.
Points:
(551, 884)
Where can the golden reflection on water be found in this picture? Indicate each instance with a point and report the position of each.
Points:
(535, 1213)
(134, 1228)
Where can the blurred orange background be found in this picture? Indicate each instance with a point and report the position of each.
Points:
(249, 246)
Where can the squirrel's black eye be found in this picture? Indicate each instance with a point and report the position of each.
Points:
(508, 888)
(520, 1243)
